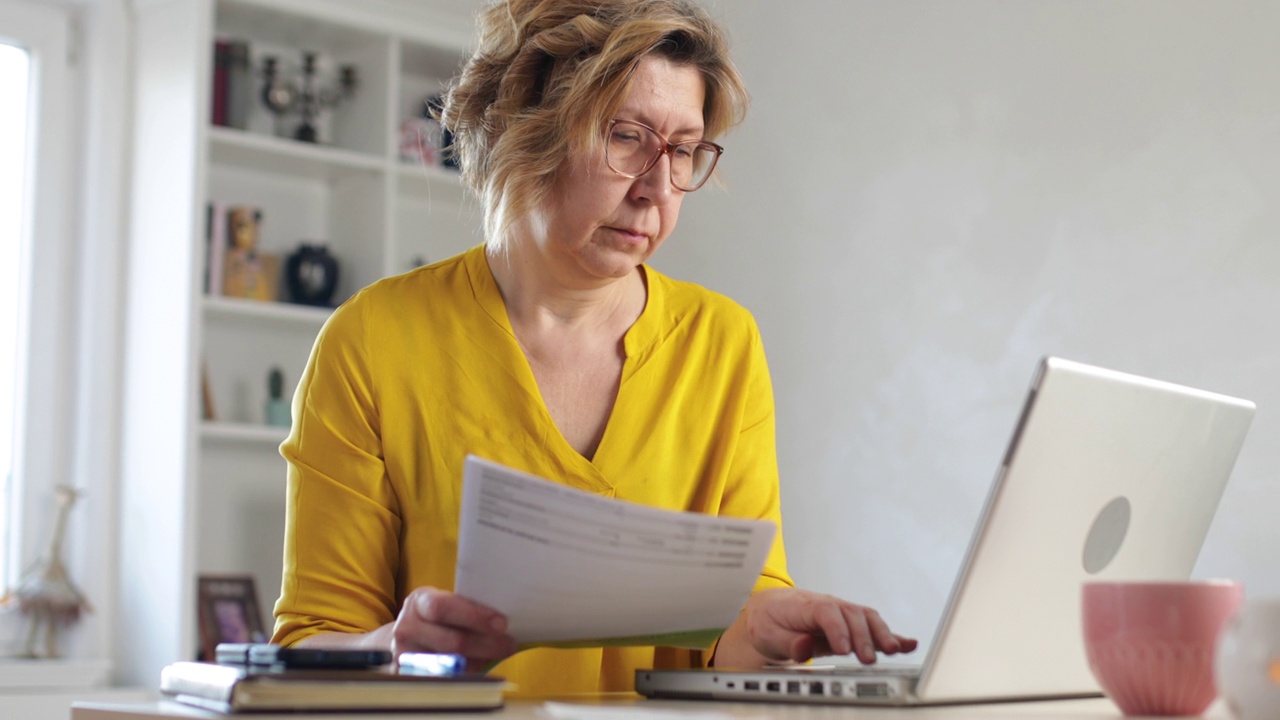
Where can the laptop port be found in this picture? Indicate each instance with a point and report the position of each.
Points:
(793, 687)
(837, 688)
(873, 690)
(750, 685)
(815, 688)
(773, 686)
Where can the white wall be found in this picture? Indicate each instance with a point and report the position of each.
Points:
(929, 195)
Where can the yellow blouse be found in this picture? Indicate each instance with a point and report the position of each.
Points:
(416, 371)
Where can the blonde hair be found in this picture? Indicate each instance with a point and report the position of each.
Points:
(547, 76)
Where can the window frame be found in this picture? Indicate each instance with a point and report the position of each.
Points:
(70, 401)
(46, 306)
(12, 277)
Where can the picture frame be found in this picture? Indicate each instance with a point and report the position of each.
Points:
(227, 609)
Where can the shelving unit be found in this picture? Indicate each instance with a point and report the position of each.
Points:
(207, 496)
(246, 433)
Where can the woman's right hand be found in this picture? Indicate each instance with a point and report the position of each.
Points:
(434, 620)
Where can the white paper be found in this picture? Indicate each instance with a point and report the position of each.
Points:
(569, 567)
(636, 711)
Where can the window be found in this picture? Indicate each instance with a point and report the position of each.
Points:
(14, 81)
(37, 201)
(60, 321)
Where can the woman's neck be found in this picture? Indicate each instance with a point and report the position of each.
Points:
(540, 299)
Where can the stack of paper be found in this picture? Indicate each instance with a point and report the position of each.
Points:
(569, 568)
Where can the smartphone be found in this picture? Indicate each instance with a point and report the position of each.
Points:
(327, 658)
(435, 664)
(233, 653)
(266, 654)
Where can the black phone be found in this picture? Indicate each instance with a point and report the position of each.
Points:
(266, 654)
(329, 658)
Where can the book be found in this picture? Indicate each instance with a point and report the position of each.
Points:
(239, 85)
(249, 688)
(216, 245)
(221, 67)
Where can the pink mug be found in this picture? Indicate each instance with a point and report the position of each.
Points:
(1151, 645)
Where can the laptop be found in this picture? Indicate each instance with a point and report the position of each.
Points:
(1108, 476)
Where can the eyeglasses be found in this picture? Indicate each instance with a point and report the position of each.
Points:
(632, 149)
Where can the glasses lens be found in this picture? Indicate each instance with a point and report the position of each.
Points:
(632, 149)
(692, 163)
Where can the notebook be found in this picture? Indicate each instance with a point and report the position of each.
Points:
(1108, 476)
(268, 688)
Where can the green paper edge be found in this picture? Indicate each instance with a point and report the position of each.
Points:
(691, 639)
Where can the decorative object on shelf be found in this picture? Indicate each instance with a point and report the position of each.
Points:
(215, 242)
(227, 609)
(278, 94)
(420, 141)
(45, 592)
(207, 410)
(278, 414)
(307, 95)
(311, 274)
(431, 108)
(232, 83)
(249, 273)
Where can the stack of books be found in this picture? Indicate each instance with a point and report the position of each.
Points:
(249, 688)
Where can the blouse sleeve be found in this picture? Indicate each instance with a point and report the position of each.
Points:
(752, 484)
(751, 488)
(342, 521)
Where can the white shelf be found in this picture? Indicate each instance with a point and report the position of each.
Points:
(427, 179)
(429, 173)
(214, 487)
(243, 433)
(282, 156)
(353, 194)
(257, 310)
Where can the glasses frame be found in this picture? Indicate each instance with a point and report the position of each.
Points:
(665, 148)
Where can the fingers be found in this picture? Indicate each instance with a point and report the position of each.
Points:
(433, 620)
(444, 608)
(843, 629)
(906, 644)
(865, 630)
(870, 633)
(833, 626)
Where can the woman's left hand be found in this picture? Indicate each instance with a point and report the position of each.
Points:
(787, 624)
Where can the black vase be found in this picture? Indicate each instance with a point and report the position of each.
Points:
(312, 275)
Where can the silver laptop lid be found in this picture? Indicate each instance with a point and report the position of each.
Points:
(1108, 476)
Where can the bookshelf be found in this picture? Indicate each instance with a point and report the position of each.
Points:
(206, 495)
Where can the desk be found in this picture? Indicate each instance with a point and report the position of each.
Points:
(638, 709)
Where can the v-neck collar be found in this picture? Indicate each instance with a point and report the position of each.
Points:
(588, 473)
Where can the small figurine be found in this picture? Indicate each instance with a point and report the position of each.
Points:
(248, 273)
(278, 412)
(45, 592)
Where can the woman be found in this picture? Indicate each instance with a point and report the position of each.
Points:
(581, 124)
